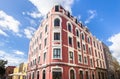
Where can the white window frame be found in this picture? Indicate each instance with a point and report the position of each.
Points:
(60, 53)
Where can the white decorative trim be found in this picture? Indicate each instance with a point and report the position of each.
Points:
(57, 67)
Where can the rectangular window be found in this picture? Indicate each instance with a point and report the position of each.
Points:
(94, 43)
(56, 8)
(40, 35)
(39, 59)
(56, 36)
(95, 53)
(40, 47)
(91, 63)
(35, 61)
(84, 47)
(71, 55)
(57, 75)
(45, 42)
(85, 60)
(90, 51)
(45, 28)
(44, 58)
(56, 53)
(70, 41)
(80, 58)
(78, 44)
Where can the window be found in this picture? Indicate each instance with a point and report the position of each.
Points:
(29, 76)
(44, 75)
(94, 43)
(81, 75)
(56, 36)
(37, 74)
(79, 58)
(70, 41)
(77, 33)
(91, 63)
(72, 74)
(57, 75)
(39, 59)
(93, 75)
(35, 61)
(56, 8)
(78, 44)
(84, 47)
(69, 27)
(95, 53)
(71, 55)
(97, 63)
(40, 35)
(99, 54)
(57, 22)
(68, 14)
(100, 64)
(45, 41)
(56, 53)
(87, 76)
(89, 51)
(40, 47)
(44, 58)
(31, 63)
(83, 36)
(46, 28)
(85, 60)
(88, 39)
(33, 75)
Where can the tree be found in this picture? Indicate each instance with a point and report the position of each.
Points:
(2, 63)
(2, 68)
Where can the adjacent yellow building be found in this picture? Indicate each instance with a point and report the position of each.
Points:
(20, 72)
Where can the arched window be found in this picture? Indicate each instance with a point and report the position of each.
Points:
(77, 32)
(43, 75)
(87, 76)
(57, 22)
(69, 27)
(88, 39)
(93, 76)
(37, 74)
(29, 76)
(72, 74)
(33, 75)
(81, 75)
(83, 36)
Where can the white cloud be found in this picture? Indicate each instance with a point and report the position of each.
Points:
(44, 6)
(7, 22)
(13, 59)
(92, 14)
(18, 52)
(34, 14)
(115, 46)
(3, 33)
(29, 31)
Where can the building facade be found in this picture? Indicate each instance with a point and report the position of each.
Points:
(63, 48)
(109, 62)
(9, 70)
(20, 72)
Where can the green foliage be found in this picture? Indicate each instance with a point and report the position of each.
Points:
(2, 67)
(2, 63)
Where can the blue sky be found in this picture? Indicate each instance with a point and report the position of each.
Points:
(20, 18)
